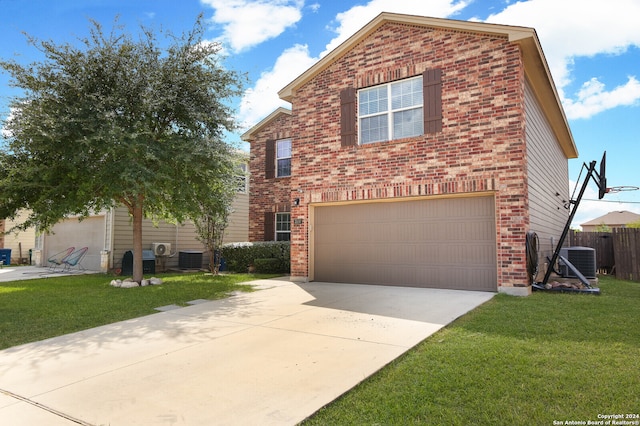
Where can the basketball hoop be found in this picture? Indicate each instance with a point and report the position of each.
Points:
(616, 189)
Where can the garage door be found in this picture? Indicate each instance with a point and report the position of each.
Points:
(438, 243)
(74, 233)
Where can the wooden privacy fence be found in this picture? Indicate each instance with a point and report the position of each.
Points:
(617, 252)
(626, 248)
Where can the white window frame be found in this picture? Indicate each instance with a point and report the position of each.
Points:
(389, 111)
(282, 232)
(279, 157)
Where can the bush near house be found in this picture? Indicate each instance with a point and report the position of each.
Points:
(239, 256)
(270, 264)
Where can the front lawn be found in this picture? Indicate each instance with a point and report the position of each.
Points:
(513, 361)
(37, 309)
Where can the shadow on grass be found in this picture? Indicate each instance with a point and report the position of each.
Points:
(32, 310)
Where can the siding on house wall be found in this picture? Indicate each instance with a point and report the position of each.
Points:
(23, 239)
(181, 237)
(481, 147)
(267, 195)
(548, 174)
(238, 228)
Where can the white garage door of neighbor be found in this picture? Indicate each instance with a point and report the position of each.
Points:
(74, 233)
(439, 243)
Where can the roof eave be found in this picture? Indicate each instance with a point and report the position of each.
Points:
(535, 64)
(249, 135)
(538, 73)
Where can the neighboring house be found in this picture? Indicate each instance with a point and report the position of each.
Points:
(419, 152)
(611, 220)
(19, 242)
(109, 234)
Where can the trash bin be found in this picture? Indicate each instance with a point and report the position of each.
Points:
(148, 262)
(219, 259)
(5, 256)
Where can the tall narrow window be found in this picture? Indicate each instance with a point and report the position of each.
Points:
(391, 111)
(283, 157)
(283, 226)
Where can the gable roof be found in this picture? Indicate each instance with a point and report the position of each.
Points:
(249, 135)
(614, 218)
(535, 64)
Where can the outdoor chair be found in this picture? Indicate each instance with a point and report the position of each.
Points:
(58, 258)
(75, 259)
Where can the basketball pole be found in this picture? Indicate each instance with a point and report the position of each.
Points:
(591, 174)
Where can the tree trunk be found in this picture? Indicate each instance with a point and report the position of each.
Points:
(136, 212)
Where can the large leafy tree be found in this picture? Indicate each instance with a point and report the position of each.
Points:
(118, 120)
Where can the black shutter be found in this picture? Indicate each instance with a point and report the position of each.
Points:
(432, 102)
(270, 160)
(269, 226)
(348, 134)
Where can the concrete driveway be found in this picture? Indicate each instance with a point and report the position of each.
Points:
(17, 273)
(273, 356)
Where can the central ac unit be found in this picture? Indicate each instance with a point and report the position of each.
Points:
(161, 249)
(583, 258)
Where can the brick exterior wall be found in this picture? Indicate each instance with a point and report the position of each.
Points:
(267, 195)
(481, 147)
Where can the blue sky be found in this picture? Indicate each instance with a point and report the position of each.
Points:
(592, 48)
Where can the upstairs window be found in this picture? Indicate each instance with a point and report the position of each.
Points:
(396, 110)
(391, 111)
(283, 158)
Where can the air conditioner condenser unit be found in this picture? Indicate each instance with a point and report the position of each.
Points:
(161, 249)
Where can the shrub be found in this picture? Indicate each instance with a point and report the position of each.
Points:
(239, 256)
(267, 266)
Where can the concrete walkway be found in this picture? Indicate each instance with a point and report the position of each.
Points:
(271, 357)
(17, 273)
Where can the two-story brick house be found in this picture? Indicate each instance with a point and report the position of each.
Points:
(419, 152)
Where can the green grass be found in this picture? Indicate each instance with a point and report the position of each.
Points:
(33, 310)
(513, 361)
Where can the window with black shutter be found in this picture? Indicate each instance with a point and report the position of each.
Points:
(270, 160)
(348, 134)
(432, 92)
(269, 226)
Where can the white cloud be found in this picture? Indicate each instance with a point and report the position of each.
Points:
(262, 99)
(569, 29)
(4, 133)
(350, 21)
(593, 98)
(248, 23)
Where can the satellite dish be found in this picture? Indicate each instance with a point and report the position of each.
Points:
(602, 183)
